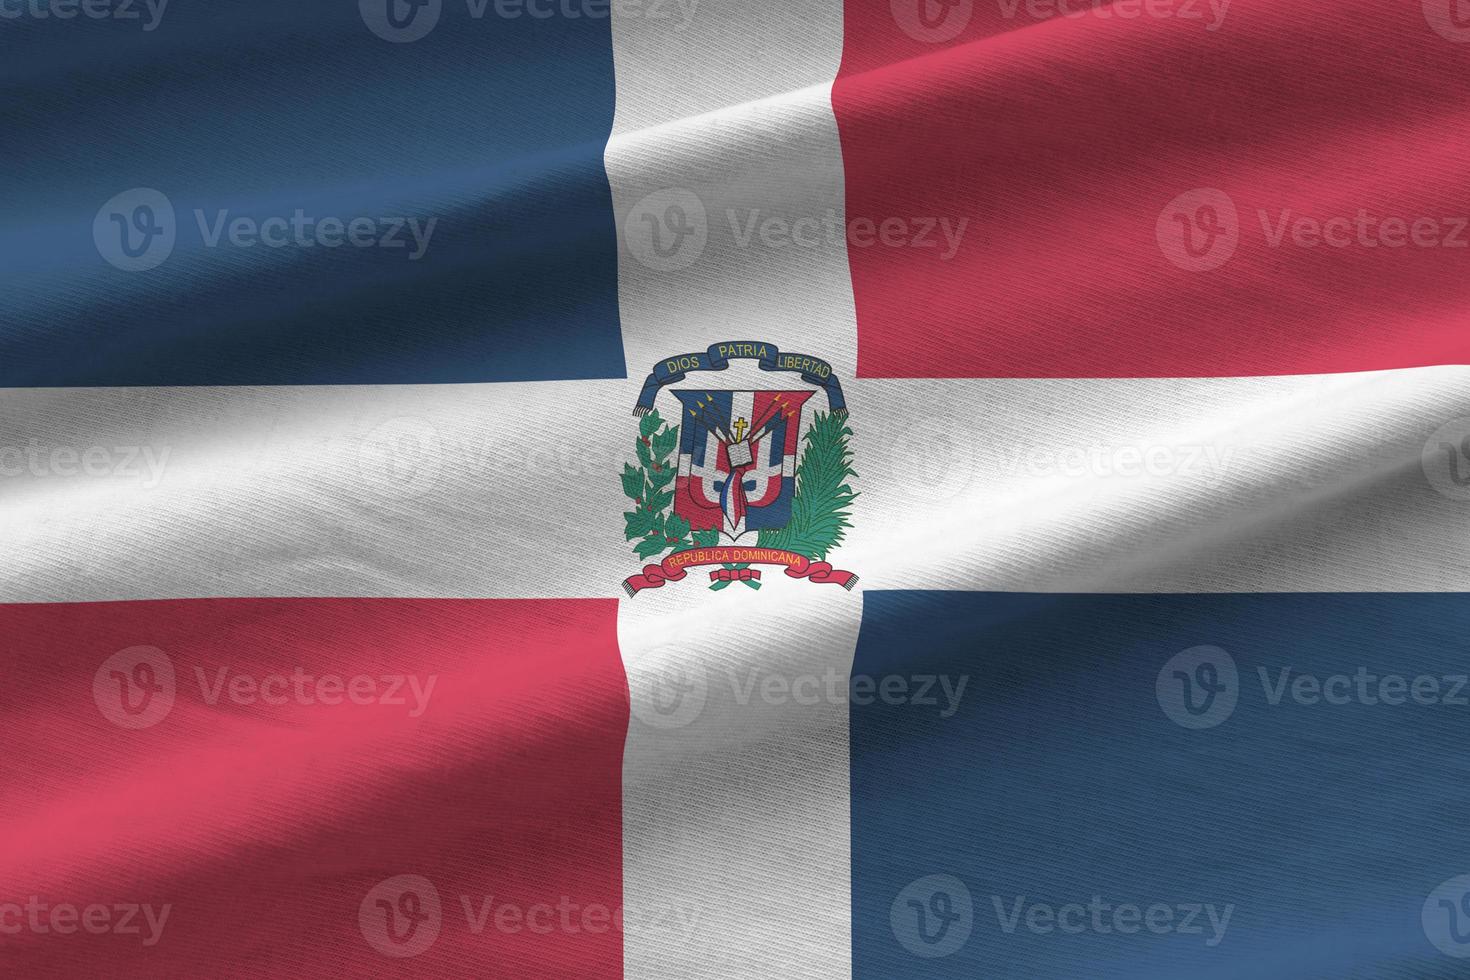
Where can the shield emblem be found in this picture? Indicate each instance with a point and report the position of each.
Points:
(737, 459)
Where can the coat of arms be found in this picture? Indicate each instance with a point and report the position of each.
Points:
(735, 478)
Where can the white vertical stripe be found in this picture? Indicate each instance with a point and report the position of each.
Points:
(740, 816)
(735, 813)
(731, 118)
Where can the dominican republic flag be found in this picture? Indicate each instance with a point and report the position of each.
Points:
(431, 431)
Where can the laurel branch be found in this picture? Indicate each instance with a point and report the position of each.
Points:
(652, 522)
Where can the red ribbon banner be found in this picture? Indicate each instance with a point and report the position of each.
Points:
(673, 568)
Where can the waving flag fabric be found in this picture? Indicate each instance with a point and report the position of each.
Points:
(376, 603)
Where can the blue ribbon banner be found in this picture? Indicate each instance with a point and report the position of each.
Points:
(768, 357)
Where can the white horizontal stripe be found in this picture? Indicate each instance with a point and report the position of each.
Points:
(1265, 484)
(1165, 485)
(457, 490)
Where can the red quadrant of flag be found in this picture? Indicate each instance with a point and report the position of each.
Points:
(304, 760)
(1129, 196)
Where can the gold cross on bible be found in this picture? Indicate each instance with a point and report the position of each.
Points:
(740, 426)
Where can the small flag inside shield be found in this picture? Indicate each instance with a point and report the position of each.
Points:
(737, 459)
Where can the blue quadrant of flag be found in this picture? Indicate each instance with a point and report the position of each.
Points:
(264, 125)
(1295, 825)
